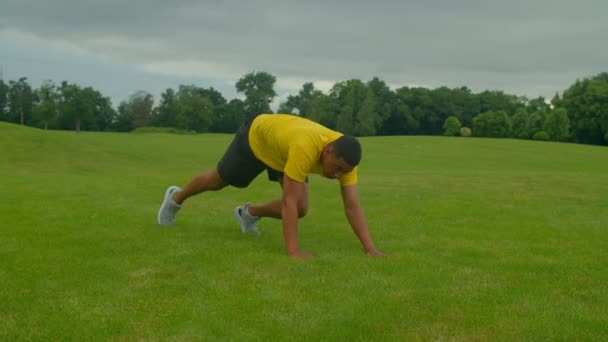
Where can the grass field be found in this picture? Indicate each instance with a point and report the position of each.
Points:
(486, 240)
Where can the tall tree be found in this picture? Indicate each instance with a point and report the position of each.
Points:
(536, 122)
(164, 115)
(20, 96)
(195, 110)
(557, 125)
(300, 104)
(385, 102)
(537, 104)
(349, 97)
(322, 109)
(104, 112)
(258, 88)
(402, 120)
(229, 117)
(425, 111)
(521, 124)
(367, 119)
(494, 101)
(586, 103)
(344, 123)
(86, 104)
(77, 107)
(492, 124)
(3, 100)
(45, 111)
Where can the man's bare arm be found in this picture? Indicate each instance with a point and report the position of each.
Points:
(356, 218)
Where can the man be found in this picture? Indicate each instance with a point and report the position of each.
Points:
(289, 148)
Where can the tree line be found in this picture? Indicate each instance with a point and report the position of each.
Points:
(354, 107)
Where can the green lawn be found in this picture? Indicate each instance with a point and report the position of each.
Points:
(486, 239)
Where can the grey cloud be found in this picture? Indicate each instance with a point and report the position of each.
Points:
(424, 42)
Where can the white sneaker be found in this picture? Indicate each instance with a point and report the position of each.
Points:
(248, 223)
(168, 210)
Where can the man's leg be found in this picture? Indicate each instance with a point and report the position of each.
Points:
(273, 209)
(174, 196)
(208, 181)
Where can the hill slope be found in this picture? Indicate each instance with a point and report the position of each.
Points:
(486, 238)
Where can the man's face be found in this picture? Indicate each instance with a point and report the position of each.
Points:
(333, 167)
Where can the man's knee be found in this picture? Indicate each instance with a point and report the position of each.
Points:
(215, 181)
(302, 209)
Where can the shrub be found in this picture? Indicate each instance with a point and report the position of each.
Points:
(451, 126)
(541, 135)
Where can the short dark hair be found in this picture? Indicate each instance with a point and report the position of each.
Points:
(348, 148)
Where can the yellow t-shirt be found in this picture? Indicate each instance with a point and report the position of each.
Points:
(293, 145)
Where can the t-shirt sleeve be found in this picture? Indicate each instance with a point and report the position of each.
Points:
(298, 163)
(350, 178)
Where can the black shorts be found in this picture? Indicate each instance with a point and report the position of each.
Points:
(239, 166)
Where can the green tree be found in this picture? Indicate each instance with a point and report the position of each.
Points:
(537, 104)
(349, 96)
(258, 88)
(385, 103)
(164, 115)
(85, 118)
(75, 106)
(557, 125)
(497, 101)
(300, 104)
(520, 124)
(405, 119)
(104, 112)
(3, 100)
(216, 98)
(536, 122)
(451, 126)
(229, 117)
(586, 103)
(418, 112)
(123, 121)
(467, 105)
(322, 109)
(355, 108)
(492, 124)
(20, 101)
(444, 106)
(367, 119)
(195, 109)
(83, 108)
(46, 108)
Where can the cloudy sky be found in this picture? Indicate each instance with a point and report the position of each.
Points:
(523, 47)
